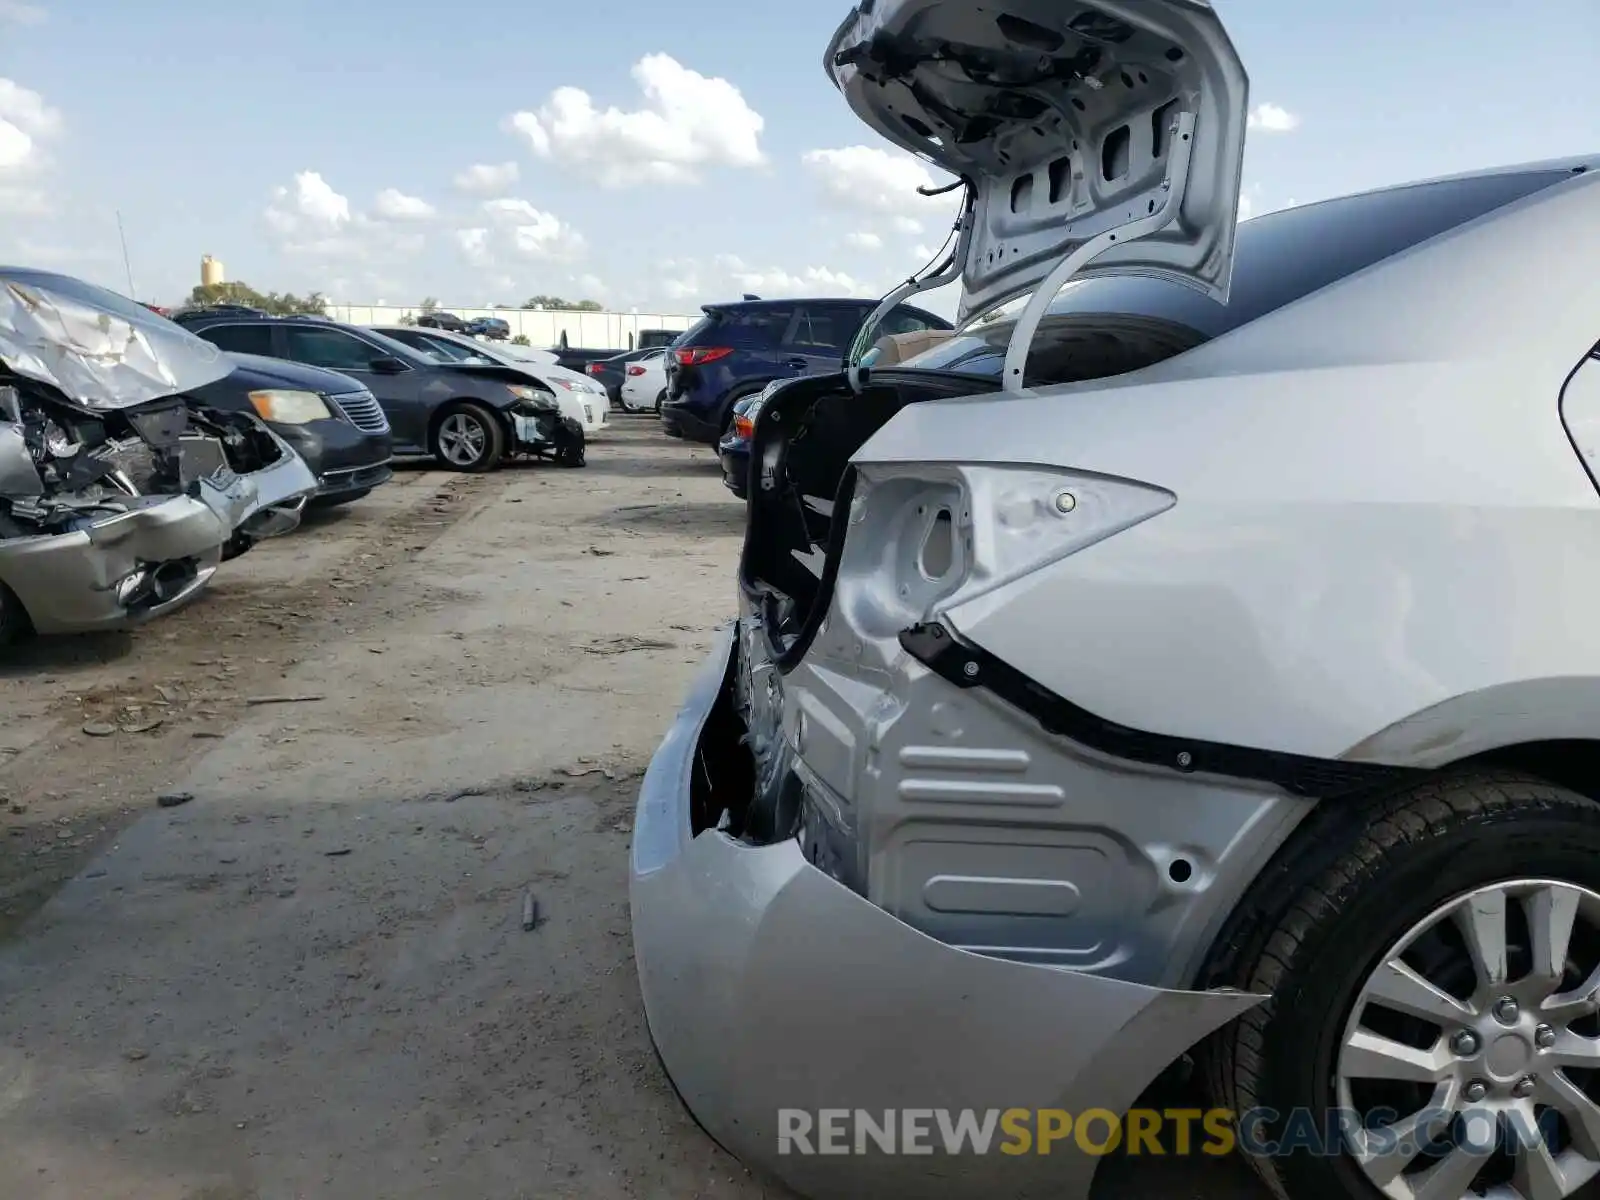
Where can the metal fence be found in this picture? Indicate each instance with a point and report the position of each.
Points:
(542, 327)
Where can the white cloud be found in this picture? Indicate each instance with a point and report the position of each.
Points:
(312, 206)
(314, 221)
(394, 205)
(864, 241)
(21, 13)
(517, 227)
(881, 185)
(25, 121)
(474, 245)
(689, 122)
(725, 277)
(1272, 118)
(488, 179)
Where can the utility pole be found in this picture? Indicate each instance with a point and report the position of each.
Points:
(127, 265)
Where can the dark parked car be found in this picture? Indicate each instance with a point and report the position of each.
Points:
(739, 348)
(186, 316)
(442, 320)
(657, 339)
(469, 416)
(488, 327)
(734, 448)
(579, 360)
(610, 372)
(334, 423)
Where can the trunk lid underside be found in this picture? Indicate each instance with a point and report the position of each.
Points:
(1062, 117)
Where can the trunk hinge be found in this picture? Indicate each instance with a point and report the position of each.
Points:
(948, 270)
(1175, 184)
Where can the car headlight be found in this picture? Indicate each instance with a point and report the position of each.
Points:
(537, 399)
(289, 407)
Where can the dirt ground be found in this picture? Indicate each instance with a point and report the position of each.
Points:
(309, 977)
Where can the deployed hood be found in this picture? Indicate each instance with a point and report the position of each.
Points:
(99, 349)
(1069, 121)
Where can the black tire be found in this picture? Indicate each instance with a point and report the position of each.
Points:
(460, 416)
(1320, 918)
(238, 544)
(15, 624)
(661, 398)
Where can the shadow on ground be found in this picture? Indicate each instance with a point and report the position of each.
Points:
(43, 654)
(718, 518)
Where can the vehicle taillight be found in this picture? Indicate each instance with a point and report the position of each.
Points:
(594, 368)
(635, 371)
(694, 356)
(744, 427)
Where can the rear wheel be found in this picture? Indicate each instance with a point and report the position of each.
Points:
(661, 398)
(468, 437)
(1434, 1019)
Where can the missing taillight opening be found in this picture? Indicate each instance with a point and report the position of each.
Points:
(939, 546)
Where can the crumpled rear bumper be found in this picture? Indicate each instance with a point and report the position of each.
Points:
(769, 986)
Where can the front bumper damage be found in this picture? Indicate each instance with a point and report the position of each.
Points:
(130, 568)
(281, 492)
(767, 986)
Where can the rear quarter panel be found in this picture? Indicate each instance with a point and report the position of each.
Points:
(1379, 510)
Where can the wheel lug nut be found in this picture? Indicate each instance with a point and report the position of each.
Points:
(1475, 1091)
(1544, 1037)
(1506, 1011)
(1523, 1088)
(1464, 1043)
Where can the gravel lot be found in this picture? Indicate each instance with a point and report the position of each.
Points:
(311, 979)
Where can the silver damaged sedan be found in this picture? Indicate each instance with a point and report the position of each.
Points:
(1195, 663)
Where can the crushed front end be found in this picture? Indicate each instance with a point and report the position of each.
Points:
(117, 497)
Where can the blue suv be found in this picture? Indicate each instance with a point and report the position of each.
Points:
(739, 348)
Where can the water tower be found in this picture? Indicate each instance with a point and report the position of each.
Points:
(211, 272)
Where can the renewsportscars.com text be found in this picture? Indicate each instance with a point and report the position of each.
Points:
(1171, 1131)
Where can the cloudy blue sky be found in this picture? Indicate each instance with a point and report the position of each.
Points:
(646, 155)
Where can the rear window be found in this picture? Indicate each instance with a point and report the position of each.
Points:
(758, 326)
(241, 339)
(1278, 259)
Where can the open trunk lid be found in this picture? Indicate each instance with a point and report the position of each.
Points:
(1108, 132)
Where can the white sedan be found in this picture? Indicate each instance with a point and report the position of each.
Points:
(579, 396)
(644, 386)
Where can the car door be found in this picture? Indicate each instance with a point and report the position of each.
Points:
(399, 392)
(818, 335)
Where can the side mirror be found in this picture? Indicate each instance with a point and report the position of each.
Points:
(387, 365)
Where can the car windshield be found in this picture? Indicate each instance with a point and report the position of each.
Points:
(1279, 258)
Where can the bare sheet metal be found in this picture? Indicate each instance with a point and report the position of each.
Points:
(100, 350)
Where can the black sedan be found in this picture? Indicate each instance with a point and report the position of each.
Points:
(469, 416)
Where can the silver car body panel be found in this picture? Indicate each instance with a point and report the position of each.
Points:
(99, 349)
(755, 1008)
(1312, 568)
(68, 583)
(1063, 117)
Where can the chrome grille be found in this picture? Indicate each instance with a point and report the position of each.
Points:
(362, 410)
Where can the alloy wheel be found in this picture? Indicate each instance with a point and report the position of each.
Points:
(1474, 1049)
(462, 439)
